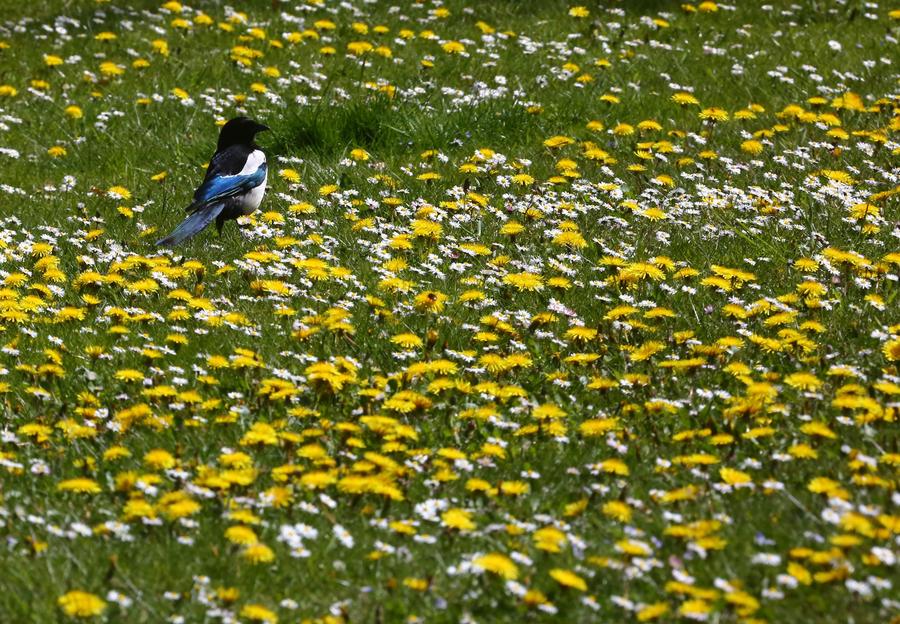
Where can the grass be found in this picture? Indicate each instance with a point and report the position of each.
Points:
(723, 448)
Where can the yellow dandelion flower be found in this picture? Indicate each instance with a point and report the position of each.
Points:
(358, 48)
(242, 535)
(498, 564)
(558, 141)
(548, 411)
(118, 192)
(524, 281)
(511, 228)
(290, 175)
(258, 553)
(81, 604)
(359, 154)
(458, 519)
(652, 611)
(567, 578)
(752, 147)
(684, 99)
(617, 510)
(430, 301)
(259, 613)
(81, 485)
(714, 114)
(891, 350)
(734, 477)
(159, 459)
(453, 47)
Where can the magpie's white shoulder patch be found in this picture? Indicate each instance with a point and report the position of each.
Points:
(254, 160)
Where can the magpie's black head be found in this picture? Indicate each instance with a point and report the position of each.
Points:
(239, 130)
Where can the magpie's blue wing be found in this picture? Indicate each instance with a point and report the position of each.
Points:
(222, 187)
(230, 173)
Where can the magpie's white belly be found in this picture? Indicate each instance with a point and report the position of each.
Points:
(252, 199)
(255, 159)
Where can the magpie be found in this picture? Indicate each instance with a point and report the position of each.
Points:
(234, 183)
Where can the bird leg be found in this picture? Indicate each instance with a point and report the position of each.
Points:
(220, 221)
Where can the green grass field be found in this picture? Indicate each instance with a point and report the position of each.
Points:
(550, 313)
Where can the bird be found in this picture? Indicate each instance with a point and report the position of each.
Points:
(234, 184)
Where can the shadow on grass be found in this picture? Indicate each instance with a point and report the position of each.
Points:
(386, 128)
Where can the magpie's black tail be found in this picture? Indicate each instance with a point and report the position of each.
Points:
(192, 225)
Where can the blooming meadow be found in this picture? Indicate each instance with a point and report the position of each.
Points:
(551, 313)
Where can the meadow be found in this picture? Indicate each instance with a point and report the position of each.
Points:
(553, 312)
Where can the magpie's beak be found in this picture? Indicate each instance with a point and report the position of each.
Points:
(262, 127)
